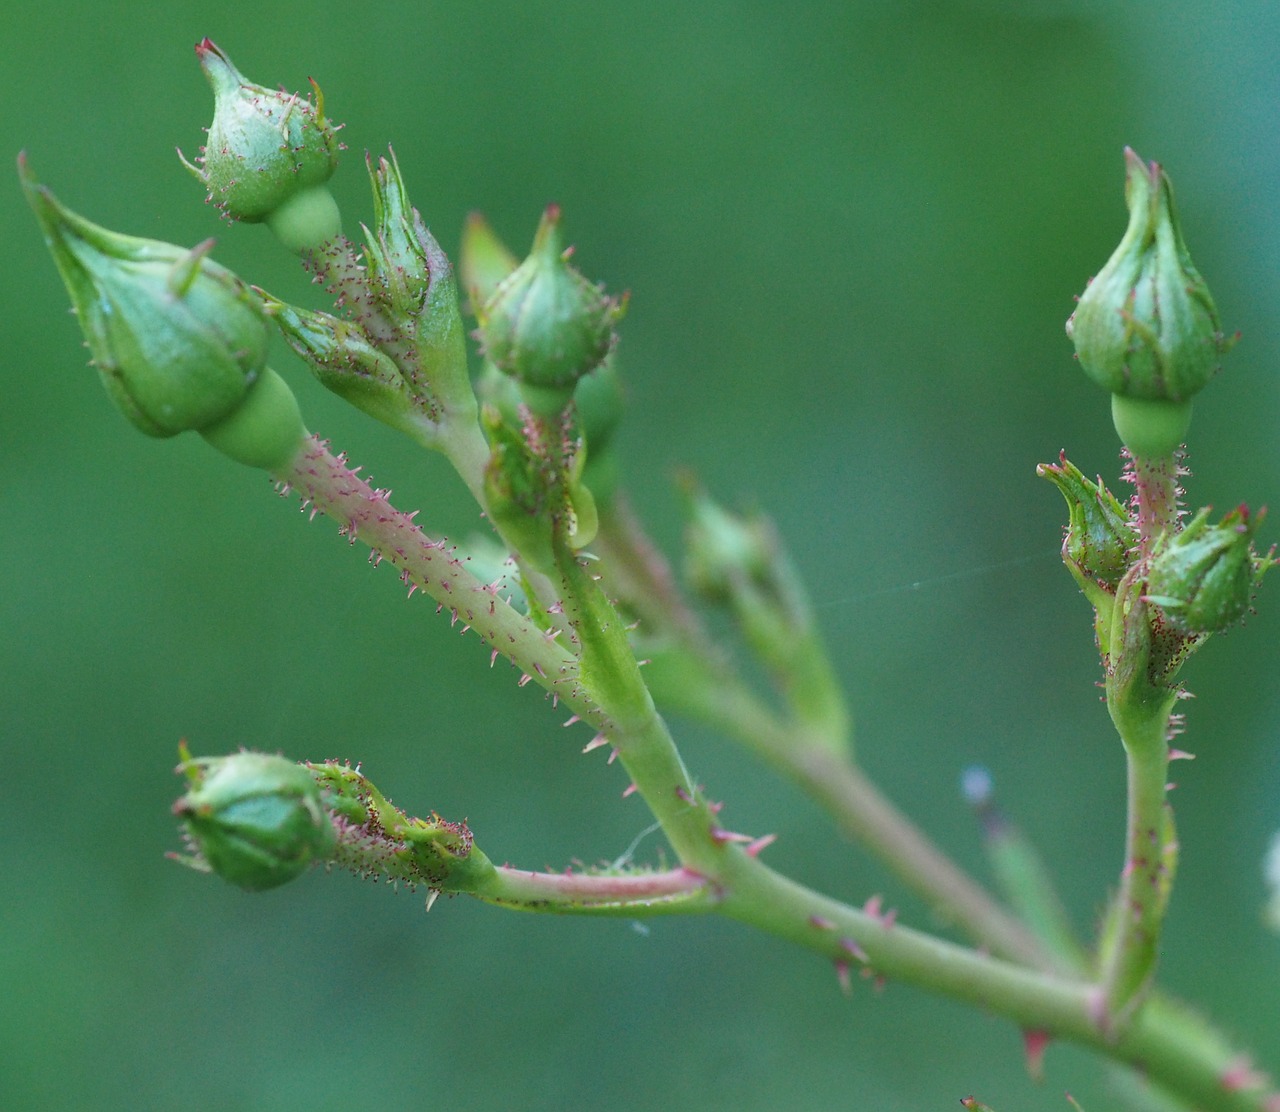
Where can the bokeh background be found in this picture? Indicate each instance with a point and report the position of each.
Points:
(852, 232)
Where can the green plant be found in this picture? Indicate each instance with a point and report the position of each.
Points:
(578, 598)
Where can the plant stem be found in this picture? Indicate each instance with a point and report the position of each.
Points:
(1170, 1046)
(627, 895)
(328, 485)
(1129, 954)
(722, 700)
(1156, 498)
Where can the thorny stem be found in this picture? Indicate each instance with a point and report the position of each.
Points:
(328, 485)
(1171, 1047)
(864, 813)
(1159, 1040)
(1155, 498)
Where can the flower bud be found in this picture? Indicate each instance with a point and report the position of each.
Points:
(398, 251)
(254, 819)
(268, 155)
(1099, 541)
(178, 340)
(411, 285)
(1203, 577)
(545, 325)
(1146, 327)
(344, 360)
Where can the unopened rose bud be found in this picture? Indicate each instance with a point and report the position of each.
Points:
(268, 156)
(255, 819)
(180, 342)
(1203, 578)
(546, 325)
(1146, 327)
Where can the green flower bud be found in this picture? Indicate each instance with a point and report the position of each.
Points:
(398, 253)
(411, 285)
(1100, 541)
(726, 553)
(545, 325)
(1203, 578)
(268, 155)
(1146, 326)
(254, 819)
(178, 340)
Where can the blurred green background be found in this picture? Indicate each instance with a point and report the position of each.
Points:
(852, 232)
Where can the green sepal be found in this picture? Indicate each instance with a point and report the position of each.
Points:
(345, 361)
(1099, 544)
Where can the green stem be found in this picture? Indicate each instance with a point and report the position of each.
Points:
(1171, 1047)
(1156, 487)
(626, 895)
(328, 485)
(1130, 949)
(722, 701)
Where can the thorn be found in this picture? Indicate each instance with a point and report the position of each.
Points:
(720, 835)
(820, 923)
(683, 795)
(762, 843)
(433, 894)
(630, 790)
(850, 947)
(524, 678)
(492, 657)
(613, 755)
(1181, 755)
(1034, 1043)
(571, 720)
(595, 743)
(1240, 1075)
(842, 975)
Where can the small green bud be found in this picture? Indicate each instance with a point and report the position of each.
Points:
(254, 819)
(344, 360)
(726, 553)
(178, 340)
(1100, 542)
(1146, 327)
(1271, 871)
(398, 252)
(1203, 578)
(484, 261)
(412, 287)
(545, 325)
(268, 156)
